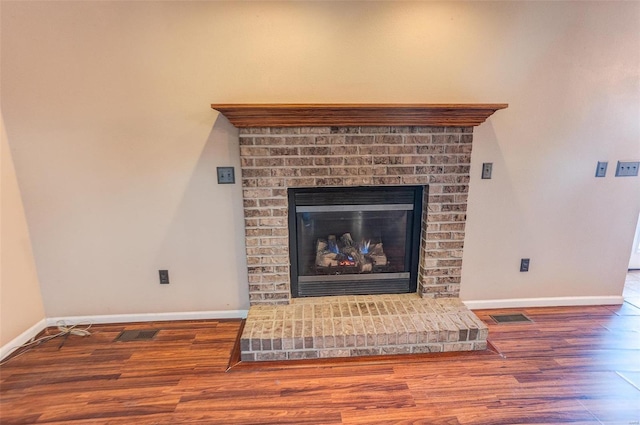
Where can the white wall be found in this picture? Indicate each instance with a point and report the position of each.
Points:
(21, 305)
(106, 107)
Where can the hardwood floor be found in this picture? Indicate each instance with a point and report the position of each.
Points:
(577, 365)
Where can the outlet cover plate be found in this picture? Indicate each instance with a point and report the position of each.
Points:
(524, 264)
(601, 169)
(226, 175)
(627, 168)
(164, 277)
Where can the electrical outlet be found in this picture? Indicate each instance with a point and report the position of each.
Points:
(487, 167)
(627, 168)
(164, 276)
(226, 175)
(601, 169)
(524, 265)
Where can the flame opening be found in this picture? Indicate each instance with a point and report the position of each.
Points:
(349, 261)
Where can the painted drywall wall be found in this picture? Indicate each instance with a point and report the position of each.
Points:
(116, 152)
(106, 106)
(21, 304)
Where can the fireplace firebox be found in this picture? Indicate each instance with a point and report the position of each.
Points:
(354, 240)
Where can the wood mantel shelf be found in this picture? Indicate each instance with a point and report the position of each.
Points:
(320, 115)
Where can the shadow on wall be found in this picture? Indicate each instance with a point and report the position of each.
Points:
(204, 246)
(494, 205)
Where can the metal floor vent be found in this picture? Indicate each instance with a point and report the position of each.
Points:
(510, 318)
(137, 335)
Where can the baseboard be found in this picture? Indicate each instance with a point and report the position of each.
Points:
(24, 337)
(148, 317)
(543, 302)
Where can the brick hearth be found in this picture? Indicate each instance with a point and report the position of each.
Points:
(360, 325)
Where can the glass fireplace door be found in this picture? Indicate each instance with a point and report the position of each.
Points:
(358, 241)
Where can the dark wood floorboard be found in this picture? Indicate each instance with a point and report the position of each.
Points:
(578, 365)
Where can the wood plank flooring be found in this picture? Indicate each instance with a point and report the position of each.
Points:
(578, 365)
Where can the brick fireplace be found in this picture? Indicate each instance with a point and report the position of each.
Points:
(276, 158)
(347, 146)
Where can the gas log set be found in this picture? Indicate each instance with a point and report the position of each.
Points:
(343, 255)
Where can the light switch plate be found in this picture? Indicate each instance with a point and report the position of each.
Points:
(164, 277)
(627, 168)
(487, 167)
(226, 175)
(601, 169)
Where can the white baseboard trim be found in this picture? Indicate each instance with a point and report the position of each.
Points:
(24, 337)
(148, 317)
(543, 302)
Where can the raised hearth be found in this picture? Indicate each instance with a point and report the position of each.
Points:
(360, 325)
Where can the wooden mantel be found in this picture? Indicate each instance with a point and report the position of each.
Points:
(320, 115)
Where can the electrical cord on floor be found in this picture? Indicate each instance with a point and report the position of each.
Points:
(64, 330)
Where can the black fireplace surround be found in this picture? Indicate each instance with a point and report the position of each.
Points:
(354, 240)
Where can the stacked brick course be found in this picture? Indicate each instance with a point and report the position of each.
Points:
(274, 159)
